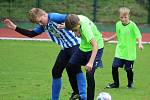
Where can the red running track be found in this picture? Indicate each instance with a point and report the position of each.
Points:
(8, 33)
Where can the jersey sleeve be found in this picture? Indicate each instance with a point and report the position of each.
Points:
(26, 32)
(117, 27)
(58, 18)
(137, 31)
(38, 29)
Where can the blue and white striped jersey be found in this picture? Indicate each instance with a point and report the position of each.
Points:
(63, 37)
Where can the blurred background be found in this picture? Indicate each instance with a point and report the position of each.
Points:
(102, 12)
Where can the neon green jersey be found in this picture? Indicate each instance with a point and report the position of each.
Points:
(89, 31)
(126, 36)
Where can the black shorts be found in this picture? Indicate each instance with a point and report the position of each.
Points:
(82, 58)
(62, 61)
(117, 62)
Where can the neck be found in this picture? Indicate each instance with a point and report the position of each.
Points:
(126, 23)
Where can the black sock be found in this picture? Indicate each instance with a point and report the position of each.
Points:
(115, 75)
(130, 76)
(90, 85)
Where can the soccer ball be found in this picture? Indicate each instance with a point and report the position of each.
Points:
(104, 96)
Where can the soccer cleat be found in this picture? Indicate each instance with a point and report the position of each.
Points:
(113, 85)
(130, 85)
(74, 96)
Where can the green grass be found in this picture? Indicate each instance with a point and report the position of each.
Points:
(25, 72)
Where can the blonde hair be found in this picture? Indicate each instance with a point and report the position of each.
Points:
(34, 14)
(124, 10)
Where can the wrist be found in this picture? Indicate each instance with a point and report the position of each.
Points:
(14, 28)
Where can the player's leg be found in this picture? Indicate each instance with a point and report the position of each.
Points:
(57, 71)
(72, 77)
(90, 84)
(115, 74)
(75, 66)
(73, 83)
(128, 68)
(81, 81)
(90, 74)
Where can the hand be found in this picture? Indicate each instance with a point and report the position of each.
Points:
(140, 46)
(89, 66)
(9, 24)
(61, 26)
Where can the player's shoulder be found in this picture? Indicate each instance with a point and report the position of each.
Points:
(132, 23)
(118, 23)
(56, 14)
(82, 17)
(84, 20)
(53, 14)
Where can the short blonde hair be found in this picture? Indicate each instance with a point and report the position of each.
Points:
(124, 10)
(34, 14)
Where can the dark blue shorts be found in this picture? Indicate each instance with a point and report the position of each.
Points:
(82, 58)
(62, 61)
(117, 62)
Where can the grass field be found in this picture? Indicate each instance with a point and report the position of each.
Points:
(25, 72)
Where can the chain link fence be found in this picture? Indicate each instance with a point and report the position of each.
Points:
(102, 11)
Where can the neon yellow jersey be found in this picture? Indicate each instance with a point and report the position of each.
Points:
(88, 31)
(126, 36)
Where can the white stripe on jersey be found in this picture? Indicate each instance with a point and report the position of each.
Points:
(64, 38)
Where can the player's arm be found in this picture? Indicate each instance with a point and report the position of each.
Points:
(138, 36)
(114, 35)
(140, 46)
(94, 44)
(9, 24)
(29, 33)
(89, 36)
(61, 26)
(58, 18)
(110, 38)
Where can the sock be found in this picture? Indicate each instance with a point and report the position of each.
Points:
(115, 75)
(81, 81)
(130, 76)
(90, 85)
(56, 86)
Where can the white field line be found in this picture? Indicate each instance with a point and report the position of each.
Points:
(24, 39)
(40, 39)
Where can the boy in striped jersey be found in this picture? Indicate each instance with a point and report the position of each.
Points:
(63, 37)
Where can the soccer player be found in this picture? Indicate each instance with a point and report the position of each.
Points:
(90, 50)
(66, 39)
(127, 33)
